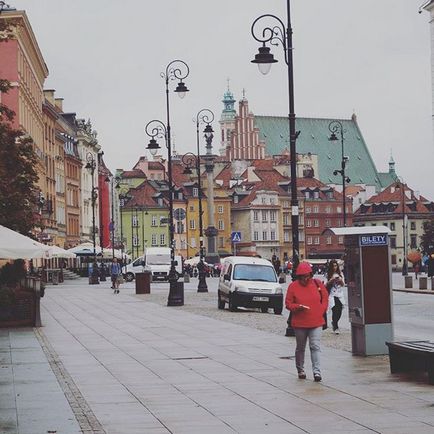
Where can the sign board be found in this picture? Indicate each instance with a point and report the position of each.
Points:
(236, 237)
(373, 240)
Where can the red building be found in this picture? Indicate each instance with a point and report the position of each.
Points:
(105, 218)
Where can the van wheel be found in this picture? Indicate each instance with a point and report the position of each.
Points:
(129, 277)
(264, 309)
(232, 306)
(278, 310)
(221, 303)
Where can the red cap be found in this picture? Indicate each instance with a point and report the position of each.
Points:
(303, 268)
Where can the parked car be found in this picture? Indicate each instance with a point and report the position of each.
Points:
(249, 282)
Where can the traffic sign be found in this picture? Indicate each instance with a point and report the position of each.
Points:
(236, 237)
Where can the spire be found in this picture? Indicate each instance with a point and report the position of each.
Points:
(228, 102)
(391, 163)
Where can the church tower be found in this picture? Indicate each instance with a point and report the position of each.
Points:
(227, 120)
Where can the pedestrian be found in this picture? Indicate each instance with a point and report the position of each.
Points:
(307, 300)
(416, 269)
(115, 273)
(335, 285)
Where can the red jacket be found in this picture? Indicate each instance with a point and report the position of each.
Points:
(314, 295)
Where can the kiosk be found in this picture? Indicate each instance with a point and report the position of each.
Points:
(369, 279)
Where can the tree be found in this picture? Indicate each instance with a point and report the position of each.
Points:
(427, 239)
(18, 176)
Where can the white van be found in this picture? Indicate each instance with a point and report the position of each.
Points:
(156, 260)
(250, 282)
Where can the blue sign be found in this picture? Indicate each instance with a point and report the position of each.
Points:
(236, 237)
(373, 240)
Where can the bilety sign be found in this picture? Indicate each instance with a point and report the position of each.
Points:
(373, 240)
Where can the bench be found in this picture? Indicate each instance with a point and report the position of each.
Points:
(412, 356)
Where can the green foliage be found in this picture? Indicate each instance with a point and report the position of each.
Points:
(11, 274)
(427, 239)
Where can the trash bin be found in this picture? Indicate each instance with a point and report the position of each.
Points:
(423, 283)
(408, 281)
(176, 294)
(143, 282)
(55, 277)
(186, 278)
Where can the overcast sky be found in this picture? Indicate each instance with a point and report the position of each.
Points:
(368, 56)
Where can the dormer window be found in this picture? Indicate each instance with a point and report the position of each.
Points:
(160, 201)
(195, 192)
(235, 198)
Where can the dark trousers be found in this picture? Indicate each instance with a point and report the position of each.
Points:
(336, 313)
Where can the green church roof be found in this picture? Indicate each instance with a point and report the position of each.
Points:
(313, 138)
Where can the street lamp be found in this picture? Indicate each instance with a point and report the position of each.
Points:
(123, 198)
(91, 165)
(155, 129)
(401, 186)
(281, 34)
(337, 127)
(114, 183)
(190, 160)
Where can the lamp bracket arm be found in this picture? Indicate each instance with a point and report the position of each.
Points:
(156, 129)
(273, 34)
(176, 70)
(204, 116)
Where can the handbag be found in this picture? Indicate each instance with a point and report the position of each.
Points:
(325, 326)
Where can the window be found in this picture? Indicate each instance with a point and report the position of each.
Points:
(162, 239)
(136, 241)
(286, 236)
(328, 209)
(341, 239)
(221, 225)
(316, 194)
(192, 224)
(154, 220)
(338, 209)
(307, 194)
(309, 240)
(316, 209)
(195, 192)
(179, 227)
(413, 241)
(308, 223)
(193, 242)
(183, 244)
(413, 226)
(264, 216)
(255, 236)
(191, 208)
(263, 200)
(220, 209)
(328, 223)
(272, 201)
(328, 240)
(392, 226)
(316, 241)
(273, 216)
(316, 223)
(273, 236)
(308, 210)
(154, 239)
(329, 195)
(255, 216)
(264, 235)
(221, 242)
(393, 242)
(236, 198)
(286, 218)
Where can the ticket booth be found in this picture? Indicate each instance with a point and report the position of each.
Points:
(369, 280)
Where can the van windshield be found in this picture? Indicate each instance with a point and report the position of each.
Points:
(255, 272)
(157, 259)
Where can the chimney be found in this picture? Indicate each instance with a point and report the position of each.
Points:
(58, 102)
(49, 95)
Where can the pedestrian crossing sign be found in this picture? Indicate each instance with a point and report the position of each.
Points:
(236, 237)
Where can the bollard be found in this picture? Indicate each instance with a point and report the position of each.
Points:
(408, 281)
(186, 278)
(432, 283)
(423, 283)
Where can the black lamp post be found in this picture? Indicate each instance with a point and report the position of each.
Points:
(123, 198)
(114, 183)
(281, 34)
(156, 129)
(401, 186)
(91, 165)
(337, 127)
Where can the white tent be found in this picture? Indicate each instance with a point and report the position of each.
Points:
(13, 245)
(85, 249)
(194, 261)
(58, 252)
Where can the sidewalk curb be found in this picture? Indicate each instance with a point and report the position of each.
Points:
(415, 291)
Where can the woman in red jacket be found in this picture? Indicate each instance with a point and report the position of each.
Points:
(307, 299)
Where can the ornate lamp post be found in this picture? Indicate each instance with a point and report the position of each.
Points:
(337, 127)
(191, 160)
(401, 186)
(280, 34)
(123, 198)
(114, 183)
(91, 165)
